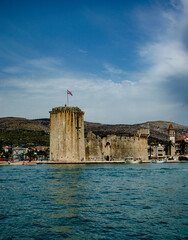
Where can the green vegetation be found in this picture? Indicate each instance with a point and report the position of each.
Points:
(1, 146)
(3, 153)
(20, 137)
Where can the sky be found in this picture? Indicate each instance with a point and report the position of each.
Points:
(125, 61)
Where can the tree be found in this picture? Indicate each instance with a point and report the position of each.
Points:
(30, 154)
(1, 146)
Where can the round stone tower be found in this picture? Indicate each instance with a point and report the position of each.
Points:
(67, 134)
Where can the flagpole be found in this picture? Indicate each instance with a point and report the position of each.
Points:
(67, 99)
(68, 92)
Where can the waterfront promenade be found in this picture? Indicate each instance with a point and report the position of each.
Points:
(80, 162)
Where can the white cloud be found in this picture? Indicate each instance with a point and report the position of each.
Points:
(40, 64)
(111, 69)
(45, 63)
(83, 51)
(103, 101)
(168, 59)
(42, 84)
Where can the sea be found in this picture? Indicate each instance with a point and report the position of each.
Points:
(94, 201)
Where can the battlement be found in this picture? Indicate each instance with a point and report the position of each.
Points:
(143, 133)
(66, 109)
(67, 143)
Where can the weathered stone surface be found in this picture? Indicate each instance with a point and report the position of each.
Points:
(116, 148)
(67, 142)
(67, 134)
(171, 139)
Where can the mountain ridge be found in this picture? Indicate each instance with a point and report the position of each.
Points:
(41, 128)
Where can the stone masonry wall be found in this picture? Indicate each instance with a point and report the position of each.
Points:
(116, 148)
(67, 134)
(67, 143)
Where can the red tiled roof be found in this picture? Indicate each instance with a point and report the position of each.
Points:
(171, 126)
(182, 138)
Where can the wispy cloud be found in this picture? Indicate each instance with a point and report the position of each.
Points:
(168, 57)
(83, 51)
(113, 70)
(31, 88)
(41, 64)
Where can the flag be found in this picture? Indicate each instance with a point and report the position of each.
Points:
(69, 92)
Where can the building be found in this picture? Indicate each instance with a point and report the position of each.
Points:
(156, 151)
(182, 146)
(67, 134)
(40, 148)
(171, 140)
(7, 149)
(19, 152)
(117, 148)
(67, 143)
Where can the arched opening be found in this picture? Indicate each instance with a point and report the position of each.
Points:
(107, 151)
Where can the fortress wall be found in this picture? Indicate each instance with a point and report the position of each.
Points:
(115, 148)
(93, 147)
(54, 131)
(67, 143)
(141, 148)
(81, 138)
(67, 134)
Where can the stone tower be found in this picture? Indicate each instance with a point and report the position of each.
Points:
(67, 134)
(171, 139)
(171, 133)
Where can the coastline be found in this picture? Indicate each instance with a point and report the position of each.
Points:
(4, 163)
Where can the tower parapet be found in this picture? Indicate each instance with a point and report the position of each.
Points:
(67, 134)
(143, 133)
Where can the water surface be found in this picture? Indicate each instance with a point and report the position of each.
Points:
(146, 201)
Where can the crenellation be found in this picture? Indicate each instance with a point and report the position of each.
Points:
(66, 110)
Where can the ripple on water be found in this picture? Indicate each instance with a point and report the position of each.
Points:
(94, 202)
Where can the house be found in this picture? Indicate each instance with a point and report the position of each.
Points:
(182, 146)
(7, 149)
(18, 151)
(156, 151)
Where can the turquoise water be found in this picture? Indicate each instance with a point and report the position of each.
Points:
(146, 201)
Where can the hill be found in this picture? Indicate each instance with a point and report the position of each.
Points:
(21, 130)
(158, 129)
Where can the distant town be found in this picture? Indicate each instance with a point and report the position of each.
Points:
(20, 153)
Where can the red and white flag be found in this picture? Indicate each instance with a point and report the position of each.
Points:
(69, 92)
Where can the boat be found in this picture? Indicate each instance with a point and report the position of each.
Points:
(132, 160)
(159, 161)
(183, 158)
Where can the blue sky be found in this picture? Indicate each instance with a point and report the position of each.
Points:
(125, 61)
